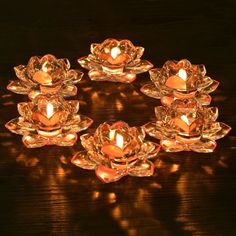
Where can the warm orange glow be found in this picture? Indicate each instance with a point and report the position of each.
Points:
(185, 119)
(49, 110)
(115, 52)
(183, 74)
(111, 197)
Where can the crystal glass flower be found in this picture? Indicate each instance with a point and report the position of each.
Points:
(115, 151)
(187, 126)
(45, 74)
(48, 120)
(113, 60)
(180, 80)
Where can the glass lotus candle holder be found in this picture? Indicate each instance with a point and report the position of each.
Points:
(115, 151)
(187, 126)
(45, 74)
(180, 80)
(116, 61)
(49, 120)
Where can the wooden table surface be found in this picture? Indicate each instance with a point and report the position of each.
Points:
(42, 193)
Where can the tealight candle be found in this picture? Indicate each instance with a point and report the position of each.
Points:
(42, 76)
(45, 75)
(49, 120)
(185, 125)
(115, 60)
(115, 151)
(178, 81)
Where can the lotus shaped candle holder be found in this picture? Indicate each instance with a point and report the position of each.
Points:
(48, 120)
(116, 150)
(187, 126)
(180, 80)
(44, 75)
(114, 60)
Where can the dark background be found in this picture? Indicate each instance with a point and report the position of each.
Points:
(41, 193)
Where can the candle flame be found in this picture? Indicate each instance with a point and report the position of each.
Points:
(115, 52)
(49, 110)
(182, 74)
(119, 141)
(185, 119)
(117, 137)
(44, 68)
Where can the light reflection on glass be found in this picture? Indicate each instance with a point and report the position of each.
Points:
(171, 201)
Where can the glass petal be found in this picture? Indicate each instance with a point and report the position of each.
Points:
(68, 90)
(33, 94)
(211, 113)
(87, 141)
(216, 131)
(171, 145)
(139, 51)
(141, 168)
(98, 75)
(89, 62)
(151, 129)
(204, 98)
(143, 66)
(212, 87)
(22, 75)
(18, 87)
(24, 110)
(78, 123)
(82, 160)
(149, 149)
(93, 47)
(34, 141)
(85, 122)
(151, 90)
(161, 113)
(74, 106)
(108, 175)
(65, 139)
(73, 76)
(96, 157)
(205, 82)
(203, 146)
(137, 132)
(20, 126)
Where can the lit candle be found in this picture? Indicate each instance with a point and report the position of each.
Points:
(49, 110)
(114, 150)
(50, 117)
(42, 76)
(115, 52)
(115, 56)
(178, 81)
(184, 123)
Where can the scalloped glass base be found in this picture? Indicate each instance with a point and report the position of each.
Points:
(151, 90)
(201, 146)
(204, 144)
(36, 140)
(33, 137)
(97, 75)
(138, 168)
